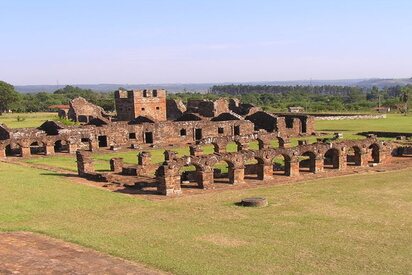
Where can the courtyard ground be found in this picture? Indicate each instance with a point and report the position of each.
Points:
(350, 224)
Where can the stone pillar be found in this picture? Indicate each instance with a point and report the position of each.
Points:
(93, 145)
(144, 158)
(195, 150)
(2, 153)
(25, 152)
(169, 155)
(342, 162)
(72, 148)
(220, 147)
(236, 175)
(264, 171)
(242, 146)
(116, 165)
(84, 163)
(49, 150)
(364, 159)
(205, 179)
(263, 144)
(294, 168)
(318, 164)
(168, 183)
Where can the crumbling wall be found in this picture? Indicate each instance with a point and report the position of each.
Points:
(174, 109)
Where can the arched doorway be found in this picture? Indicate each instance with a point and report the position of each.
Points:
(223, 172)
(13, 151)
(331, 159)
(189, 177)
(354, 156)
(37, 148)
(254, 169)
(281, 165)
(307, 162)
(375, 153)
(61, 146)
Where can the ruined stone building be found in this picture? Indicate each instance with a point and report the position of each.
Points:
(135, 103)
(145, 119)
(82, 111)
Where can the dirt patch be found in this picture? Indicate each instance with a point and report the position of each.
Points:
(29, 253)
(222, 240)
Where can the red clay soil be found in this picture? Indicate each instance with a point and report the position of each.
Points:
(29, 253)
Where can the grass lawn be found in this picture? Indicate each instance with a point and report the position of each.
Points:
(28, 119)
(353, 224)
(349, 128)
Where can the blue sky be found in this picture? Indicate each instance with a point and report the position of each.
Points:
(182, 41)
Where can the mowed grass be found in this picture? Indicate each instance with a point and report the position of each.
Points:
(349, 128)
(353, 224)
(27, 119)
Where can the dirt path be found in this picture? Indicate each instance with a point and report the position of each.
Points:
(29, 253)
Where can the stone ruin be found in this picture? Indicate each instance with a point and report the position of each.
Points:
(146, 119)
(297, 161)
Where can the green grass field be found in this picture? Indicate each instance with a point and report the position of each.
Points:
(348, 225)
(27, 119)
(349, 128)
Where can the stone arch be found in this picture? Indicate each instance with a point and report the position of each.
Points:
(227, 169)
(254, 168)
(281, 164)
(188, 175)
(331, 159)
(354, 156)
(13, 150)
(307, 162)
(37, 148)
(375, 151)
(61, 146)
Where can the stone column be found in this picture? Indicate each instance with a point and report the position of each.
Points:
(84, 163)
(243, 146)
(49, 150)
(236, 175)
(144, 158)
(294, 168)
(2, 153)
(169, 154)
(220, 147)
(72, 148)
(116, 165)
(342, 162)
(195, 150)
(205, 179)
(264, 171)
(364, 159)
(168, 183)
(318, 164)
(25, 152)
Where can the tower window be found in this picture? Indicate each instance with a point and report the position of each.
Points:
(144, 93)
(154, 93)
(183, 132)
(157, 108)
(220, 130)
(142, 109)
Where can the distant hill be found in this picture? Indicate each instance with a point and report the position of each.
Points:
(204, 87)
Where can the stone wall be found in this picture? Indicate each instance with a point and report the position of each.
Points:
(350, 117)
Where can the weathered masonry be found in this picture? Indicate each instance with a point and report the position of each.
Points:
(265, 164)
(143, 120)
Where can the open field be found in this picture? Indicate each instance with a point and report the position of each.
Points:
(27, 119)
(349, 128)
(353, 224)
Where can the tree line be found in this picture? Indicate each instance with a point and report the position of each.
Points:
(271, 98)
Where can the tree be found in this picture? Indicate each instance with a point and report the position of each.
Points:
(405, 98)
(8, 96)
